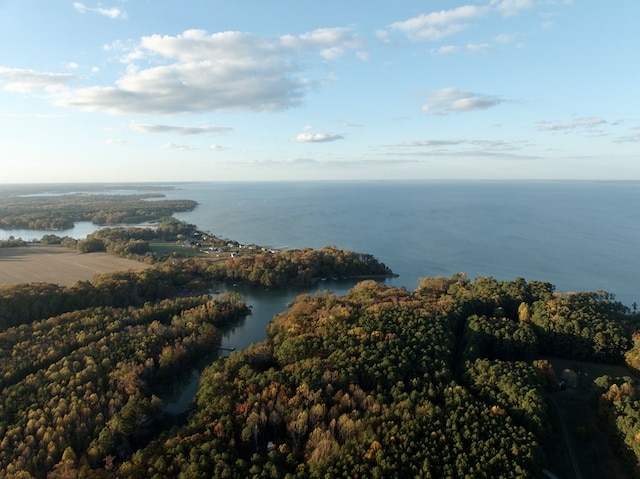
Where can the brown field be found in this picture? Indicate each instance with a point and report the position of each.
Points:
(55, 264)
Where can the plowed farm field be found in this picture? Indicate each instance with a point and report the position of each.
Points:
(56, 264)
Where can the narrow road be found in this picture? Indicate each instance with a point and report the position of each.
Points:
(565, 434)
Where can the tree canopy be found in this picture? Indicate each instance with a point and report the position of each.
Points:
(58, 212)
(446, 381)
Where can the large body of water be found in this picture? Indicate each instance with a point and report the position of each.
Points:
(577, 235)
(580, 236)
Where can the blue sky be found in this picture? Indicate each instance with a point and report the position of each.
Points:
(157, 90)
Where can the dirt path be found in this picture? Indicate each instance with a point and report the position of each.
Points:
(55, 264)
(565, 433)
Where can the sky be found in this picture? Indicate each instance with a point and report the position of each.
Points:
(252, 90)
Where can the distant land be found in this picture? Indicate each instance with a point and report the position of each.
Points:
(459, 378)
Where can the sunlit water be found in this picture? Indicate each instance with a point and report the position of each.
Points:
(576, 235)
(580, 236)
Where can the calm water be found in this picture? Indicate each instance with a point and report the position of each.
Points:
(577, 235)
(79, 231)
(580, 236)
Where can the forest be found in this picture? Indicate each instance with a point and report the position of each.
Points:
(59, 212)
(450, 380)
(454, 379)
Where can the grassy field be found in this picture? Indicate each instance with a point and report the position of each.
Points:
(55, 264)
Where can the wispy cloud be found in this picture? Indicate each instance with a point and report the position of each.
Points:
(451, 100)
(112, 12)
(468, 48)
(180, 130)
(461, 147)
(176, 146)
(342, 163)
(632, 137)
(512, 7)
(578, 123)
(458, 143)
(437, 25)
(317, 137)
(25, 80)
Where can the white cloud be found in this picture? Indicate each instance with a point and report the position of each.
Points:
(450, 100)
(175, 146)
(512, 7)
(632, 137)
(180, 130)
(23, 80)
(468, 48)
(226, 71)
(382, 36)
(115, 141)
(446, 50)
(505, 38)
(317, 137)
(438, 25)
(463, 148)
(113, 12)
(495, 145)
(216, 147)
(578, 123)
(477, 47)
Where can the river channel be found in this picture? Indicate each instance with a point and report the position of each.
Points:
(264, 304)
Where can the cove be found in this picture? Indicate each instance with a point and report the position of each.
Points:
(265, 304)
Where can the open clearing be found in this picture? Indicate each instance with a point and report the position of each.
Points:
(56, 264)
(591, 449)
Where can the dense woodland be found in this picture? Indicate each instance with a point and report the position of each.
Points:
(298, 267)
(446, 381)
(451, 380)
(60, 212)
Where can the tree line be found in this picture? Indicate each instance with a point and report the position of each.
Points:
(298, 267)
(83, 383)
(387, 383)
(60, 212)
(446, 381)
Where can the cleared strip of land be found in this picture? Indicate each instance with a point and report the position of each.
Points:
(55, 264)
